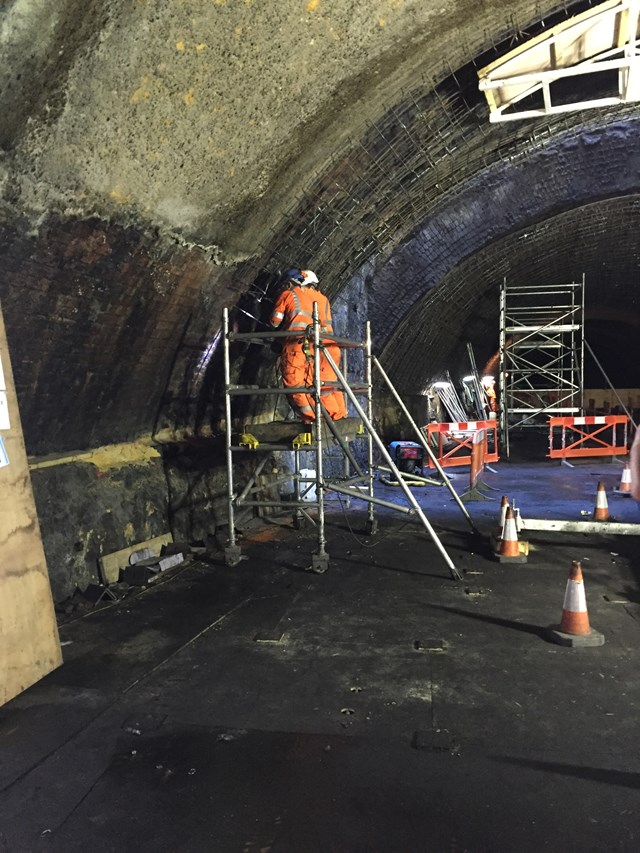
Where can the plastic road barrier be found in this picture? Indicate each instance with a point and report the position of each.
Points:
(455, 441)
(591, 435)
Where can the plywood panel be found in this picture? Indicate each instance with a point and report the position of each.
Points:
(29, 644)
(111, 564)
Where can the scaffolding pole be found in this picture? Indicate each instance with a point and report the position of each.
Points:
(319, 561)
(232, 552)
(541, 354)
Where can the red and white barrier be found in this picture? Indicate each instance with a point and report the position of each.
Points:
(579, 438)
(455, 441)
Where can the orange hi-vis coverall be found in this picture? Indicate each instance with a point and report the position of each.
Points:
(294, 310)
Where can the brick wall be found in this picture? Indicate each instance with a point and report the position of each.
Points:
(572, 170)
(566, 210)
(94, 316)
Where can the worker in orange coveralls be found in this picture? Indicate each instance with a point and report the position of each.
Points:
(294, 310)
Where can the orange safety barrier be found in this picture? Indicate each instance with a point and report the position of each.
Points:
(476, 490)
(591, 435)
(478, 456)
(455, 441)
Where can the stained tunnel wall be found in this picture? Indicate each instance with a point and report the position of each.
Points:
(94, 315)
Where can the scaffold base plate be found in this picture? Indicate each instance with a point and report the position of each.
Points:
(232, 555)
(319, 564)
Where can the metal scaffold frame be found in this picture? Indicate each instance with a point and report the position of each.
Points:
(541, 354)
(355, 483)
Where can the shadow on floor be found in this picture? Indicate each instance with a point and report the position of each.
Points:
(594, 774)
(493, 620)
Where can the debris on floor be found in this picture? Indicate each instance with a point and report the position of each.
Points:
(142, 571)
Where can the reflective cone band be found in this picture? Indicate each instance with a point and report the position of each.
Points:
(625, 480)
(509, 542)
(601, 512)
(503, 512)
(575, 619)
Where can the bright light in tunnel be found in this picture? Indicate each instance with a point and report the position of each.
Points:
(207, 355)
(442, 384)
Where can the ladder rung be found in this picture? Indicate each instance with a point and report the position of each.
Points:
(568, 327)
(251, 390)
(267, 337)
(248, 390)
(263, 446)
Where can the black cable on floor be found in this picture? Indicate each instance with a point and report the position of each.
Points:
(364, 544)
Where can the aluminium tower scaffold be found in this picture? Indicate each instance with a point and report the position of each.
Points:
(541, 354)
(356, 482)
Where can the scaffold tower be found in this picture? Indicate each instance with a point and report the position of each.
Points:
(356, 482)
(541, 354)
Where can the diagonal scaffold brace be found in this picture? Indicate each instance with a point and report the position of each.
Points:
(424, 442)
(417, 509)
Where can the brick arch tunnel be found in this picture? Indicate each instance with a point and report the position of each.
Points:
(464, 306)
(162, 162)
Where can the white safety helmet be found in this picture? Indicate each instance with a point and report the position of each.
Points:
(303, 277)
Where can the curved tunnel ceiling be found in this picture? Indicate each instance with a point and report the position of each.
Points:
(161, 158)
(575, 167)
(558, 249)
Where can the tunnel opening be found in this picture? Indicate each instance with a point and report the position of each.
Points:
(613, 341)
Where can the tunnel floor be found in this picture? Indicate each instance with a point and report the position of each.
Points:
(379, 707)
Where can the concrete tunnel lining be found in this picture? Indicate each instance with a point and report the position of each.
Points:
(178, 115)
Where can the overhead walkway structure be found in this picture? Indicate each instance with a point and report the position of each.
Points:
(357, 480)
(541, 354)
(595, 51)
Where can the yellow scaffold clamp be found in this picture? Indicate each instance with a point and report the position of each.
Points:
(303, 439)
(248, 440)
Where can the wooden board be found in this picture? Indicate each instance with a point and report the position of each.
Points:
(29, 644)
(111, 564)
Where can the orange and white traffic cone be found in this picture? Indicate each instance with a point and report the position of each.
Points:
(601, 512)
(574, 628)
(509, 550)
(625, 482)
(504, 506)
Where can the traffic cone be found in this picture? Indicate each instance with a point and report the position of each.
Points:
(509, 550)
(574, 628)
(504, 506)
(601, 512)
(625, 482)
